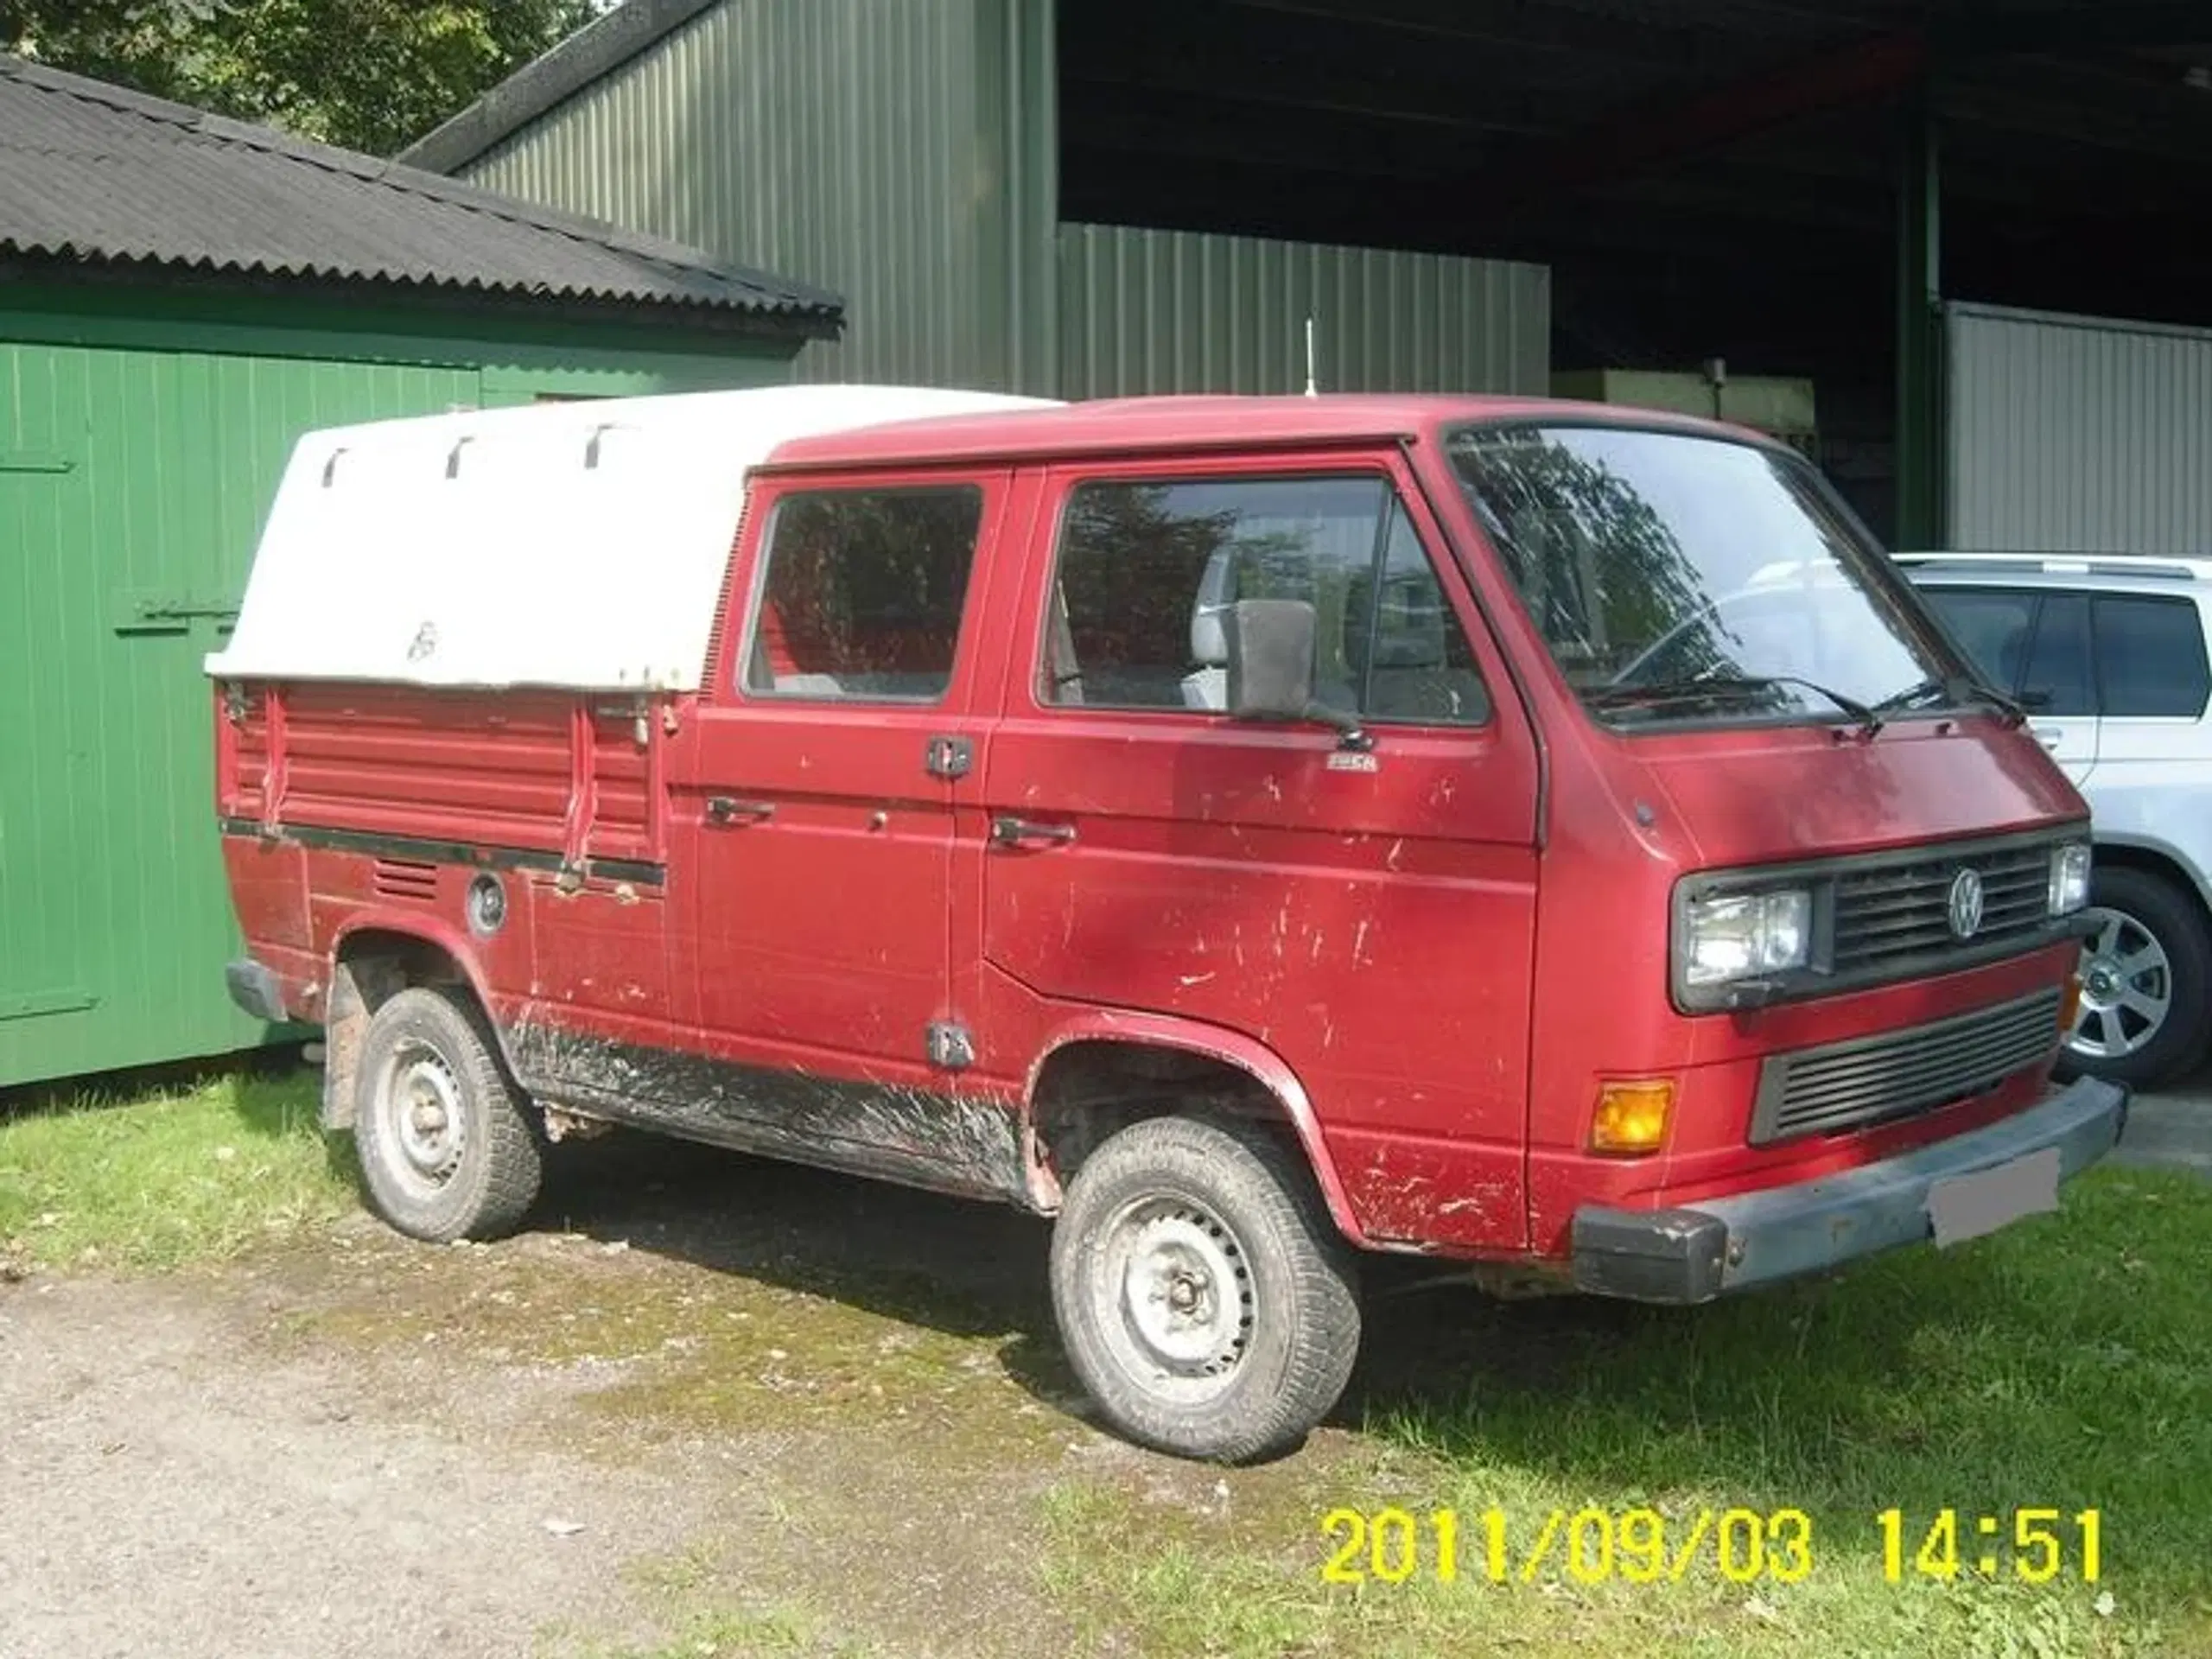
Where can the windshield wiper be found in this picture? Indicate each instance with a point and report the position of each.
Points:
(1955, 689)
(1705, 685)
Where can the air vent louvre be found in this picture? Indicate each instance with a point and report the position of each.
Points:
(402, 878)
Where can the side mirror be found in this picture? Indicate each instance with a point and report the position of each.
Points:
(1271, 666)
(1270, 658)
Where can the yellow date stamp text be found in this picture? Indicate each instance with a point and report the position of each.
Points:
(1587, 1545)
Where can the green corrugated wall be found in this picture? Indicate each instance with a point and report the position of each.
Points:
(133, 482)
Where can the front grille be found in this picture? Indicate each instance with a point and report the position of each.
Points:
(1888, 914)
(1847, 1086)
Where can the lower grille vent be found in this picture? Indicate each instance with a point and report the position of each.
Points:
(1847, 1086)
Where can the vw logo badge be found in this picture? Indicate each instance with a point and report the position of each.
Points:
(1964, 904)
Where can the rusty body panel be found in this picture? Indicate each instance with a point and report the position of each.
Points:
(924, 1138)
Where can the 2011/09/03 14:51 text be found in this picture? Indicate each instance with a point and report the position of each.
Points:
(1643, 1546)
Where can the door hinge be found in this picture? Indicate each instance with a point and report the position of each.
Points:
(949, 757)
(950, 1047)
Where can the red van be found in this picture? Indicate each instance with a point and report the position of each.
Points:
(1253, 831)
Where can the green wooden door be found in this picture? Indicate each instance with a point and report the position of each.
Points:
(41, 959)
(132, 487)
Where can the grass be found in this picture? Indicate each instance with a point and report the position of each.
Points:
(191, 1174)
(2065, 1363)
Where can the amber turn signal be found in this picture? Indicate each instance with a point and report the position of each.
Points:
(1631, 1117)
(2069, 1006)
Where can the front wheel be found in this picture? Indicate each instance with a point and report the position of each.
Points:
(444, 1148)
(2147, 974)
(1207, 1303)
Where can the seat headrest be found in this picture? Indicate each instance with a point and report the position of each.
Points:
(1217, 592)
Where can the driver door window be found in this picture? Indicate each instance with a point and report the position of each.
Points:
(1148, 572)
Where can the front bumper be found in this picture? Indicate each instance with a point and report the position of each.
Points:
(1695, 1254)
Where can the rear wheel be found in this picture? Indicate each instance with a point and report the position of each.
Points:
(444, 1148)
(1207, 1303)
(2146, 976)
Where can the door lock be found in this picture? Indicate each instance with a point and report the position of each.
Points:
(949, 757)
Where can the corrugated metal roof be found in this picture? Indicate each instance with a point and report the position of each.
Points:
(92, 173)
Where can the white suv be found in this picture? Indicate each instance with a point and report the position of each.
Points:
(2108, 657)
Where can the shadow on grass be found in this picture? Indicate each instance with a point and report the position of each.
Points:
(2065, 1364)
(265, 1079)
(965, 1270)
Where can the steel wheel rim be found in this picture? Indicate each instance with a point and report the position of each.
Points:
(1174, 1293)
(2127, 989)
(418, 1108)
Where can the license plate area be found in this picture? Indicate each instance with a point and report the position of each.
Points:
(1960, 1207)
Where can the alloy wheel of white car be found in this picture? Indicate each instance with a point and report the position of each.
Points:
(2127, 989)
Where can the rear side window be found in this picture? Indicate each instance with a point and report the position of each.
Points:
(1147, 571)
(862, 594)
(2151, 657)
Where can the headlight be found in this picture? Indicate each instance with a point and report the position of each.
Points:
(1729, 935)
(2070, 877)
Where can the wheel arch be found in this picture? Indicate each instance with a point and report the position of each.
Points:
(1051, 1101)
(372, 957)
(2155, 858)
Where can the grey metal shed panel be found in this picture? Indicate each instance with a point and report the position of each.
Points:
(1150, 311)
(870, 137)
(2077, 435)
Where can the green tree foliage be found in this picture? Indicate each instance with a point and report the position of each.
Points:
(369, 74)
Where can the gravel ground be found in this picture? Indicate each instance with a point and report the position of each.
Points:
(173, 1489)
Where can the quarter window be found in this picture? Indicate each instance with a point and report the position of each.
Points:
(863, 593)
(1148, 570)
(2151, 657)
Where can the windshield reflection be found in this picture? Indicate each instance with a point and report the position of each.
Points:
(1678, 578)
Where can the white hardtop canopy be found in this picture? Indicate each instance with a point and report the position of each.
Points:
(574, 545)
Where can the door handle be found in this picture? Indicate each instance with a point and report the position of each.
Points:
(726, 810)
(2050, 740)
(1022, 832)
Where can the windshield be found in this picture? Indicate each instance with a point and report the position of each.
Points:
(1683, 578)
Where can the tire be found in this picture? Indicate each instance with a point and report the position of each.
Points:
(1187, 1207)
(2153, 943)
(427, 1070)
